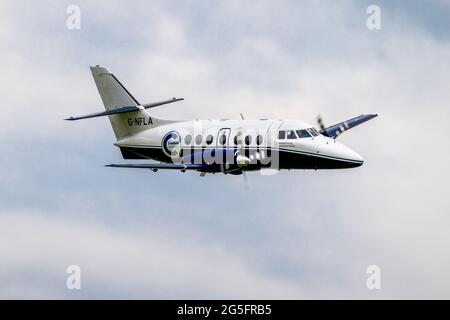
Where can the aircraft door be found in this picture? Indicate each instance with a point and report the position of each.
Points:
(270, 155)
(223, 138)
(272, 133)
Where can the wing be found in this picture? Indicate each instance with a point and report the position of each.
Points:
(156, 166)
(337, 129)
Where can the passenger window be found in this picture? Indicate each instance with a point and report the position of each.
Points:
(291, 134)
(209, 139)
(198, 139)
(248, 140)
(281, 134)
(223, 139)
(303, 134)
(188, 139)
(259, 139)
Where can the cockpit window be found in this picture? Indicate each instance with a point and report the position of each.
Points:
(313, 131)
(290, 134)
(303, 134)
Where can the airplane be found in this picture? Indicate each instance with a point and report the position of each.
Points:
(221, 145)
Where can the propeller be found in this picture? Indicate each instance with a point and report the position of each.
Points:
(320, 122)
(343, 127)
(246, 184)
(241, 160)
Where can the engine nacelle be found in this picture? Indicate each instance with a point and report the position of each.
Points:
(242, 161)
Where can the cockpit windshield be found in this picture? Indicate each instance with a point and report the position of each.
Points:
(313, 131)
(303, 134)
(290, 134)
(297, 134)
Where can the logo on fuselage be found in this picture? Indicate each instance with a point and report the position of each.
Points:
(140, 121)
(171, 144)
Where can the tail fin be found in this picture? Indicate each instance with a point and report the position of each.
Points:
(114, 96)
(113, 93)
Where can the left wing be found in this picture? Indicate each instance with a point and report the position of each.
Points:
(156, 166)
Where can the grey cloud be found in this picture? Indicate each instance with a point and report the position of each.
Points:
(144, 263)
(296, 234)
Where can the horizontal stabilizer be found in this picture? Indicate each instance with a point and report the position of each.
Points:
(160, 103)
(335, 130)
(125, 109)
(156, 166)
(105, 113)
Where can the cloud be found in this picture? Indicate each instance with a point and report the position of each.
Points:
(145, 263)
(297, 234)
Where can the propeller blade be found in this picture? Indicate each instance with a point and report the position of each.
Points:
(320, 122)
(246, 185)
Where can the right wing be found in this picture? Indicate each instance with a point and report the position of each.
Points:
(156, 166)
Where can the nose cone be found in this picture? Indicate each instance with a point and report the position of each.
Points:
(343, 154)
(350, 154)
(354, 159)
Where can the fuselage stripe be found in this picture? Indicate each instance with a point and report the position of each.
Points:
(247, 148)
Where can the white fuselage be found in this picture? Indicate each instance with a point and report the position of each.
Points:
(294, 144)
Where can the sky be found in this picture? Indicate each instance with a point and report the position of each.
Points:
(294, 235)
